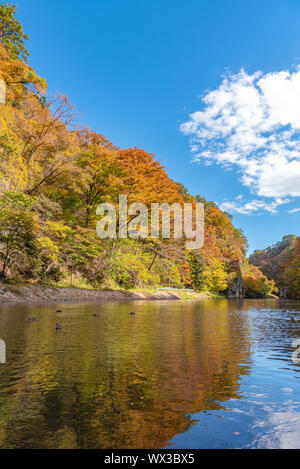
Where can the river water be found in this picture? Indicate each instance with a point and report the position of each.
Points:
(177, 374)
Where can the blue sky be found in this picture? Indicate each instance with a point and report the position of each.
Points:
(136, 70)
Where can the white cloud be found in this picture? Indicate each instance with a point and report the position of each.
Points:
(252, 123)
(253, 206)
(294, 210)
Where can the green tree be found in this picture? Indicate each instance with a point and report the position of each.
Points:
(11, 32)
(197, 271)
(17, 239)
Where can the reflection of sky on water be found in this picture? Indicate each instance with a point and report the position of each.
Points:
(247, 424)
(267, 412)
(282, 428)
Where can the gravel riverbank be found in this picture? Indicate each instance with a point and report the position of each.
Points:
(10, 294)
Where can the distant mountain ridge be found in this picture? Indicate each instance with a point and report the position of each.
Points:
(281, 263)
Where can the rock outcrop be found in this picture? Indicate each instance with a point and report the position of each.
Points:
(236, 289)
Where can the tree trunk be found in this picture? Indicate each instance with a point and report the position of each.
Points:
(153, 261)
(72, 277)
(3, 274)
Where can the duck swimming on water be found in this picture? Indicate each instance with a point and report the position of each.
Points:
(58, 327)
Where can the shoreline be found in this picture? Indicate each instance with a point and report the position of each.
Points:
(17, 294)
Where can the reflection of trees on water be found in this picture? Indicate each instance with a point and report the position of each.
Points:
(122, 382)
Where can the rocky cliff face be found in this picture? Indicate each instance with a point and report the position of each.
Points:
(236, 284)
(236, 289)
(283, 293)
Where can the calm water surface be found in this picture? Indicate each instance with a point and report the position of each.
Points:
(210, 374)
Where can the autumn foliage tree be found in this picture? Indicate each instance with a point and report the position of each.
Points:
(281, 263)
(53, 176)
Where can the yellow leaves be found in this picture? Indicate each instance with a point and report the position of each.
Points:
(48, 248)
(256, 283)
(21, 79)
(45, 145)
(215, 276)
(57, 228)
(13, 174)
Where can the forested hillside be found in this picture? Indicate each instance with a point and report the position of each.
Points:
(54, 174)
(282, 264)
